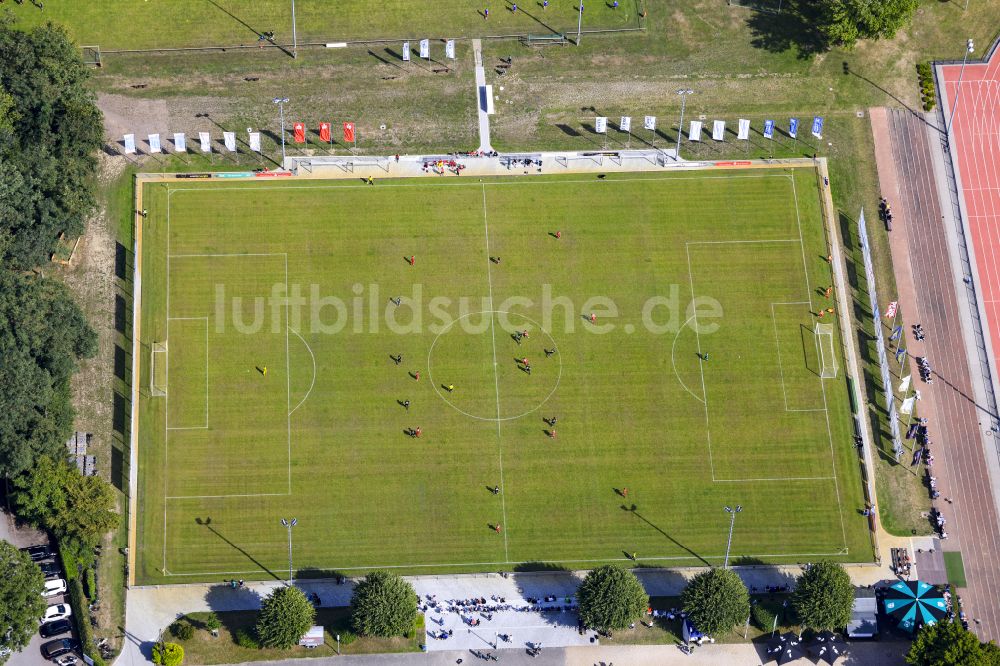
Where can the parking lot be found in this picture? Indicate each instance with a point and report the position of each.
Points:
(25, 537)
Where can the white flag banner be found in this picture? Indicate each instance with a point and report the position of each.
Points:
(425, 48)
(694, 131)
(206, 142)
(230, 139)
(154, 143)
(907, 406)
(601, 125)
(744, 133)
(719, 130)
(449, 49)
(180, 142)
(406, 52)
(904, 385)
(255, 141)
(625, 125)
(130, 144)
(650, 123)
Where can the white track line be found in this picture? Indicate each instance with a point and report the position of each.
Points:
(701, 363)
(496, 377)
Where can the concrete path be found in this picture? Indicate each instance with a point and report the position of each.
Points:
(484, 119)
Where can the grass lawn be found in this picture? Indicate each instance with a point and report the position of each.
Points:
(153, 24)
(954, 567)
(203, 648)
(230, 450)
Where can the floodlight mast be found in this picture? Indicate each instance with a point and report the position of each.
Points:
(281, 101)
(680, 126)
(732, 523)
(969, 48)
(290, 524)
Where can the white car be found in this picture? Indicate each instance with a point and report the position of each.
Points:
(56, 612)
(54, 587)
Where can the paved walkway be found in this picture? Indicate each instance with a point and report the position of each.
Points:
(484, 119)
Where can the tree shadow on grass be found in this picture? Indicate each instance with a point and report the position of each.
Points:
(797, 26)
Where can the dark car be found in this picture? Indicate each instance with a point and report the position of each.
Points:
(58, 648)
(38, 553)
(50, 569)
(50, 629)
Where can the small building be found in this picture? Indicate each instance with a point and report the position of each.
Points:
(864, 615)
(313, 638)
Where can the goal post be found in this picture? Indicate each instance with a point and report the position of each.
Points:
(827, 353)
(158, 369)
(91, 55)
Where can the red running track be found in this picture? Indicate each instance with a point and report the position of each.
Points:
(975, 135)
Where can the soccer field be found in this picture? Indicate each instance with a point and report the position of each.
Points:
(269, 388)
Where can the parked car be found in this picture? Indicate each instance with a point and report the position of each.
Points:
(50, 569)
(57, 612)
(59, 647)
(67, 660)
(54, 587)
(50, 629)
(38, 553)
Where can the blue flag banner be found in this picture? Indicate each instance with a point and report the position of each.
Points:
(900, 355)
(793, 127)
(768, 129)
(817, 129)
(896, 332)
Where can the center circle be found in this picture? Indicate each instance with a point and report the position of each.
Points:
(476, 365)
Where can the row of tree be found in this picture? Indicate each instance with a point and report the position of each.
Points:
(50, 131)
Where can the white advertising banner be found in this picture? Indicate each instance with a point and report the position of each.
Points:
(626, 124)
(601, 125)
(406, 52)
(130, 144)
(206, 142)
(650, 122)
(425, 48)
(694, 131)
(230, 140)
(255, 141)
(449, 49)
(744, 133)
(154, 143)
(719, 130)
(180, 142)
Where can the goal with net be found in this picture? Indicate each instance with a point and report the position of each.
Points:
(827, 356)
(158, 370)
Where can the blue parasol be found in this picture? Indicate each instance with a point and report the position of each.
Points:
(914, 603)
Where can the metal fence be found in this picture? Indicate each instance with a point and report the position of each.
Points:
(883, 359)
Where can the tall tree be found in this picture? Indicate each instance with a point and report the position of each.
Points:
(42, 335)
(611, 598)
(716, 601)
(21, 601)
(56, 130)
(824, 596)
(847, 21)
(949, 644)
(77, 509)
(285, 615)
(384, 605)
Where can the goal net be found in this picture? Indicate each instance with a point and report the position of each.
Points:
(827, 357)
(158, 370)
(772, 6)
(91, 55)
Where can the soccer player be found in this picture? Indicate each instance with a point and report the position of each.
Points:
(413, 260)
(406, 405)
(549, 352)
(450, 388)
(416, 376)
(593, 318)
(264, 371)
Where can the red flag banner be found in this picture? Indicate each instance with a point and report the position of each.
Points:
(349, 132)
(324, 132)
(300, 132)
(890, 311)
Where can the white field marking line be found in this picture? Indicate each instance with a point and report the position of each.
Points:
(673, 349)
(701, 363)
(166, 438)
(727, 242)
(778, 478)
(288, 384)
(467, 183)
(167, 414)
(311, 355)
(181, 497)
(227, 254)
(672, 558)
(829, 431)
(496, 376)
(777, 344)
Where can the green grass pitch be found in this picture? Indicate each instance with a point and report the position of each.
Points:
(298, 278)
